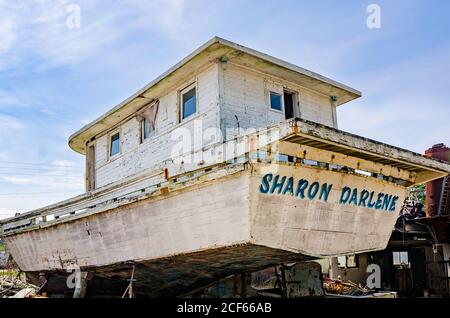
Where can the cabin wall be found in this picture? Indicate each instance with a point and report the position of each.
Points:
(245, 101)
(135, 157)
(228, 98)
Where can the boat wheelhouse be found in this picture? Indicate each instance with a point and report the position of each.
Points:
(231, 161)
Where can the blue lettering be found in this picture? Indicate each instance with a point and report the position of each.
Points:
(277, 185)
(386, 202)
(379, 201)
(325, 191)
(393, 202)
(345, 192)
(363, 198)
(289, 186)
(265, 185)
(371, 204)
(354, 197)
(313, 189)
(285, 185)
(301, 186)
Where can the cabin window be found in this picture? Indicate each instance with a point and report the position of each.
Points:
(352, 261)
(188, 102)
(289, 101)
(147, 129)
(400, 258)
(275, 101)
(114, 148)
(348, 261)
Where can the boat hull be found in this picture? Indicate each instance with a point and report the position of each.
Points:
(169, 277)
(325, 213)
(184, 239)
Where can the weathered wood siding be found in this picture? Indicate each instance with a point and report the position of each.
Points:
(135, 156)
(206, 216)
(319, 228)
(223, 95)
(245, 95)
(223, 212)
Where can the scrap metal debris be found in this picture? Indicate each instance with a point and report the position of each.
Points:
(13, 285)
(338, 287)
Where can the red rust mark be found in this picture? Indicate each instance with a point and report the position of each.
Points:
(166, 173)
(253, 143)
(294, 126)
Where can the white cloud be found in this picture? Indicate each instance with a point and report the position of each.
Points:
(9, 122)
(49, 181)
(63, 163)
(171, 20)
(85, 121)
(42, 29)
(12, 204)
(7, 35)
(59, 175)
(405, 104)
(47, 111)
(17, 180)
(6, 213)
(9, 99)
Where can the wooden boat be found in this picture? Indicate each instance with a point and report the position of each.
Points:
(186, 230)
(290, 191)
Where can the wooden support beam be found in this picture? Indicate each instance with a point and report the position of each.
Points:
(80, 285)
(331, 157)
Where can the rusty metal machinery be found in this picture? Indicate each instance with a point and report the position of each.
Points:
(438, 191)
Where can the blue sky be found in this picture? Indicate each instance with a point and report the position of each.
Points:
(53, 79)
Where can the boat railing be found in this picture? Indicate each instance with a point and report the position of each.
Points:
(172, 172)
(110, 198)
(297, 142)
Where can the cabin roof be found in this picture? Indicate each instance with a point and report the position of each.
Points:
(213, 50)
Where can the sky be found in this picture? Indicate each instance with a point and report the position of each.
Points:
(58, 72)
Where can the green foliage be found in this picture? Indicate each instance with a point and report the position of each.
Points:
(417, 193)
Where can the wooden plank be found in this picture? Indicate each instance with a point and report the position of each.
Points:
(360, 144)
(115, 199)
(331, 157)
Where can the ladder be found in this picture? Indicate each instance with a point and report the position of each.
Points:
(444, 205)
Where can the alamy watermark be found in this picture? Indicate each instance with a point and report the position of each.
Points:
(73, 20)
(74, 279)
(212, 145)
(374, 19)
(374, 279)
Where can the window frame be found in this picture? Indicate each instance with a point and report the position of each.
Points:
(355, 258)
(281, 102)
(339, 262)
(182, 92)
(142, 127)
(295, 100)
(400, 263)
(110, 135)
(355, 261)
